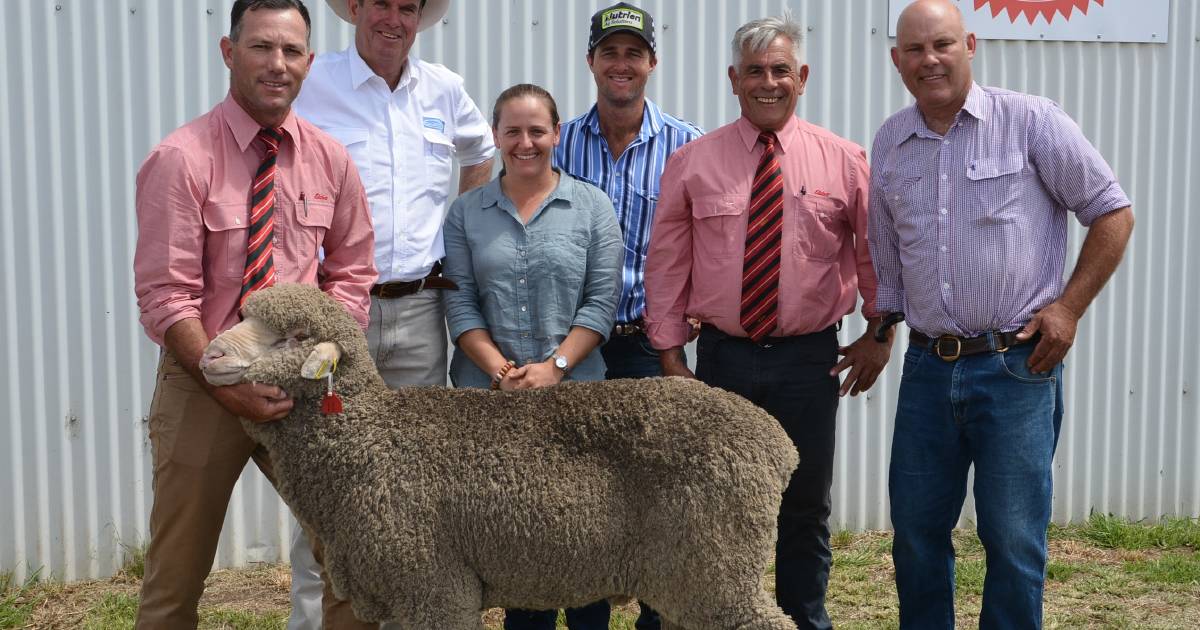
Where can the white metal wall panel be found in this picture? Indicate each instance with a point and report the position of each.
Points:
(91, 85)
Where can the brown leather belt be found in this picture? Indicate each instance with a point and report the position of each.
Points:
(390, 290)
(950, 348)
(636, 327)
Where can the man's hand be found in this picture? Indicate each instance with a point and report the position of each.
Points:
(865, 358)
(532, 376)
(253, 401)
(674, 363)
(1057, 324)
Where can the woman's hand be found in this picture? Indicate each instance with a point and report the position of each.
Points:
(533, 376)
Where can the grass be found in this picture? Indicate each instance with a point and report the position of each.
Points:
(18, 601)
(1104, 573)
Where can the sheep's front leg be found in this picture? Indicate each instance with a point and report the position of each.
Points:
(322, 361)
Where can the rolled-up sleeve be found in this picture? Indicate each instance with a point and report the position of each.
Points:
(605, 257)
(167, 262)
(348, 271)
(462, 306)
(885, 252)
(1072, 169)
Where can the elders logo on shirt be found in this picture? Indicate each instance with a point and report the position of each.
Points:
(1031, 8)
(622, 17)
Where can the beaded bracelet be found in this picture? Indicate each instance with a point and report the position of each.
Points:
(510, 364)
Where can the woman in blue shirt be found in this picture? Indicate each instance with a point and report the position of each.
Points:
(537, 258)
(536, 255)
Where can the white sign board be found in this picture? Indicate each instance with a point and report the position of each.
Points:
(1069, 20)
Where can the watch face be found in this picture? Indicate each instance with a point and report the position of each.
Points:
(560, 362)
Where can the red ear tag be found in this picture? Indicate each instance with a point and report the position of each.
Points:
(331, 403)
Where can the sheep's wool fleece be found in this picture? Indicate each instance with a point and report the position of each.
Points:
(433, 503)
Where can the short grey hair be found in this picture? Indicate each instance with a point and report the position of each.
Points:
(757, 35)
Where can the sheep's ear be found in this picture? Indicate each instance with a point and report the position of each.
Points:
(322, 361)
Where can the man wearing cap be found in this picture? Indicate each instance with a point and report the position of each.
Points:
(404, 122)
(761, 234)
(232, 202)
(620, 146)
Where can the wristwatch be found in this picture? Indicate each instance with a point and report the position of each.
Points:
(560, 362)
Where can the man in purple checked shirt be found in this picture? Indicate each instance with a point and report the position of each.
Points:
(970, 193)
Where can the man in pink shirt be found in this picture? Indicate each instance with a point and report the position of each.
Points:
(247, 173)
(760, 233)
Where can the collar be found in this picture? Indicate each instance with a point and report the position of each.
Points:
(360, 72)
(245, 129)
(652, 121)
(492, 195)
(749, 133)
(977, 105)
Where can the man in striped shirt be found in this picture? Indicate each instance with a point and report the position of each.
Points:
(621, 146)
(970, 193)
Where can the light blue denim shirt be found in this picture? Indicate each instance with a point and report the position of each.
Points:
(527, 285)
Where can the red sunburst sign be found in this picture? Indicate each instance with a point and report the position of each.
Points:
(1031, 8)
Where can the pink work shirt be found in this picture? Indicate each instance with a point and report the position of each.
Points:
(193, 208)
(694, 264)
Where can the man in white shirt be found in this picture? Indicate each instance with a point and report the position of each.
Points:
(404, 121)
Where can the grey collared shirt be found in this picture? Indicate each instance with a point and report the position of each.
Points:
(528, 284)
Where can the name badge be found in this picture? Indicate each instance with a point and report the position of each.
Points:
(434, 123)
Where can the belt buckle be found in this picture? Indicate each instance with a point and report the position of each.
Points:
(949, 358)
(999, 339)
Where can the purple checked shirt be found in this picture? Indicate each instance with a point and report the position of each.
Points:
(968, 231)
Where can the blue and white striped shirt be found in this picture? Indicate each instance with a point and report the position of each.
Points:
(968, 231)
(631, 182)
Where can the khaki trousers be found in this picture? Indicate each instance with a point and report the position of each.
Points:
(199, 451)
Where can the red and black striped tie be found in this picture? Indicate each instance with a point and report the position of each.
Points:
(260, 246)
(764, 229)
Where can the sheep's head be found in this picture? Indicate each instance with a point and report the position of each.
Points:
(292, 336)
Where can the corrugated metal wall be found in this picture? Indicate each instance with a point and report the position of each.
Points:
(91, 85)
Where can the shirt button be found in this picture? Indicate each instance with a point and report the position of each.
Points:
(237, 220)
(945, 142)
(946, 286)
(520, 252)
(942, 210)
(522, 280)
(945, 177)
(943, 248)
(523, 309)
(895, 197)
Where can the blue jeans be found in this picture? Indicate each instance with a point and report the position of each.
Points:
(632, 356)
(791, 381)
(991, 411)
(594, 616)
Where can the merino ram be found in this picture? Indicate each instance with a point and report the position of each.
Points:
(435, 503)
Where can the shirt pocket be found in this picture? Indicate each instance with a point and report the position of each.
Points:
(314, 219)
(901, 194)
(995, 186)
(439, 155)
(821, 227)
(718, 226)
(225, 251)
(358, 145)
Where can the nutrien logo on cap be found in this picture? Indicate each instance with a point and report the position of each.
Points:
(622, 17)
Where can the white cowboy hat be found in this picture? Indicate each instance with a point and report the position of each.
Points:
(433, 11)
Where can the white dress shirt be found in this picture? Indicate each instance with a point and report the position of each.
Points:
(404, 143)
